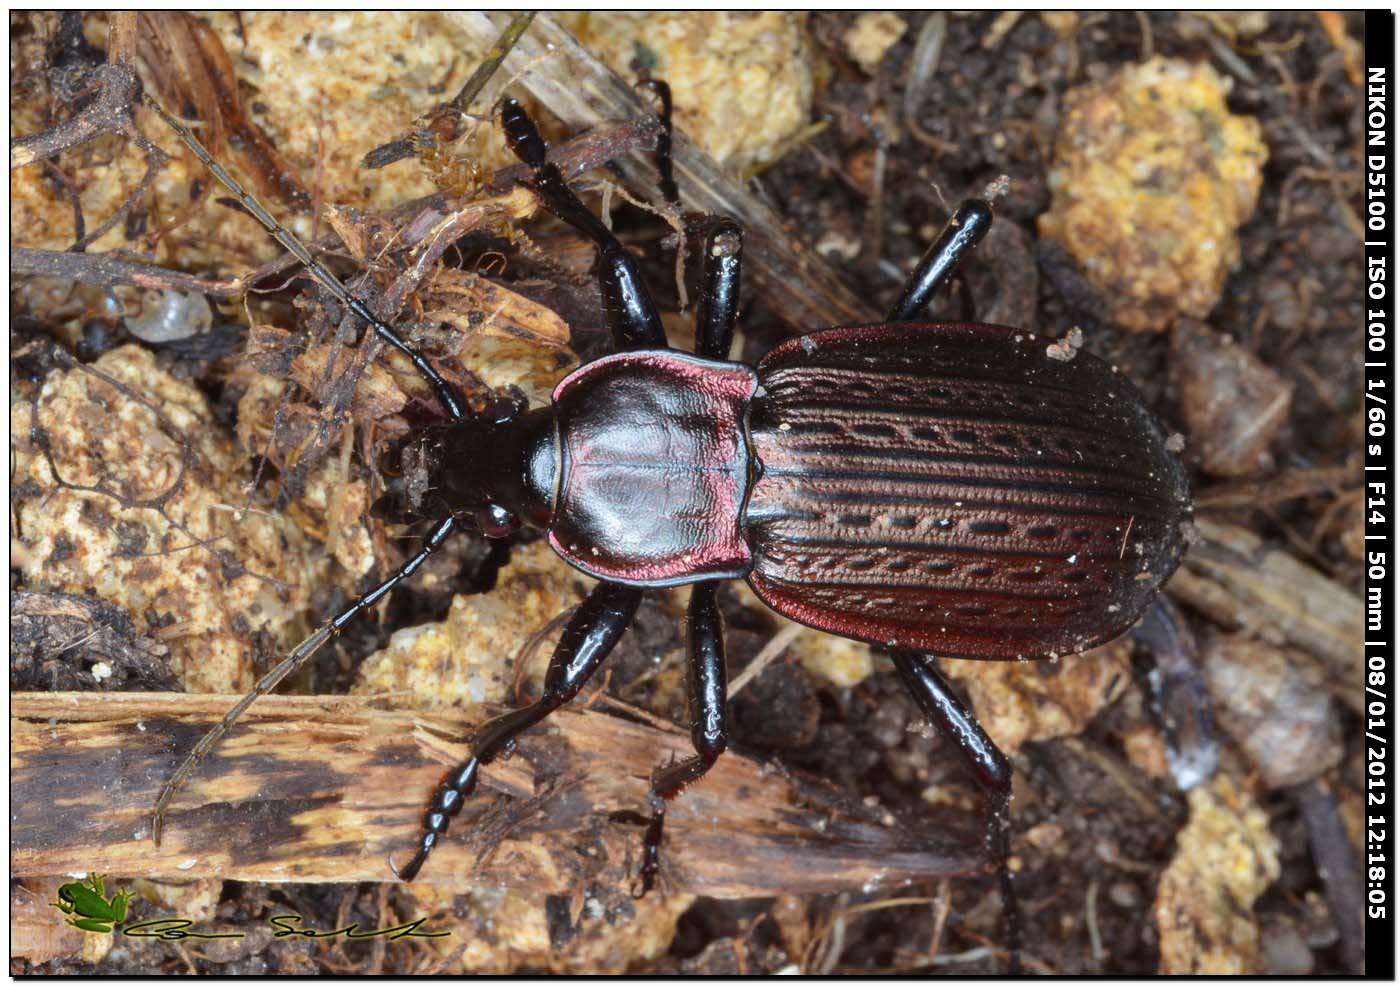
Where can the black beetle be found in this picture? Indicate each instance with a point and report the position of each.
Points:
(945, 489)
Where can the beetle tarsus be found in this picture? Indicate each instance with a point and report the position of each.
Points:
(590, 636)
(522, 135)
(991, 767)
(708, 723)
(663, 140)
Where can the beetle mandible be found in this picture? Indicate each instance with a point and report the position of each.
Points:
(934, 489)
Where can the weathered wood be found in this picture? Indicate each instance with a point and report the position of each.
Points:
(324, 789)
(1232, 575)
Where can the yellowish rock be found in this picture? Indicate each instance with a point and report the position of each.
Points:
(872, 35)
(501, 363)
(1153, 177)
(844, 663)
(1019, 702)
(176, 555)
(338, 508)
(499, 932)
(1146, 750)
(469, 658)
(742, 81)
(330, 87)
(197, 900)
(1063, 22)
(338, 84)
(1225, 858)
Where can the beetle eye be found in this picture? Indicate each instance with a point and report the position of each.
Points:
(504, 408)
(495, 521)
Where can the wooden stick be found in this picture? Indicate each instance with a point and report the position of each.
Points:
(324, 789)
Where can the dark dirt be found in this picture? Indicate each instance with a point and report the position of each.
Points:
(1294, 302)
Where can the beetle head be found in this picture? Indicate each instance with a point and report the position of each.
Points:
(494, 470)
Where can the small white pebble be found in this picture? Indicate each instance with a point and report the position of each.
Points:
(102, 671)
(834, 246)
(997, 187)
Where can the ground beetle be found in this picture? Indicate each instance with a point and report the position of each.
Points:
(935, 489)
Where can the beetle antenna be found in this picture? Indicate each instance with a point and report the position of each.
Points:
(447, 394)
(294, 660)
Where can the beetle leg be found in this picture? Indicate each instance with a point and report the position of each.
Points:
(627, 303)
(718, 306)
(708, 727)
(719, 297)
(724, 242)
(592, 633)
(963, 232)
(663, 140)
(993, 771)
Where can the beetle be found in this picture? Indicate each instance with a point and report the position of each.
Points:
(932, 488)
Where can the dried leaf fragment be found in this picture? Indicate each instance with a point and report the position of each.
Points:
(472, 304)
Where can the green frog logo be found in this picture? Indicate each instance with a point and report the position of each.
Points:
(88, 904)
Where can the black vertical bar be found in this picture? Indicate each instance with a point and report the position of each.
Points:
(1380, 463)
